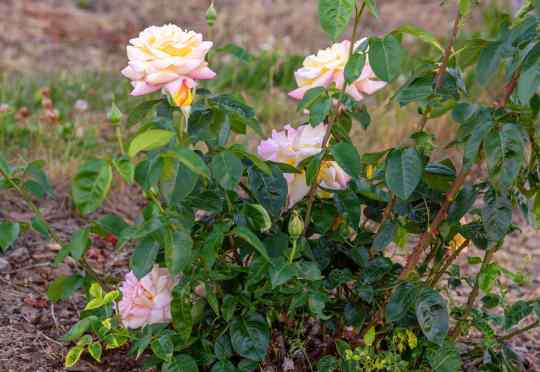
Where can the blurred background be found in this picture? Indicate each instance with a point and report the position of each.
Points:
(60, 62)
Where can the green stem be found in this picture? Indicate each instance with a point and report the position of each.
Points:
(118, 131)
(293, 250)
(180, 129)
(456, 332)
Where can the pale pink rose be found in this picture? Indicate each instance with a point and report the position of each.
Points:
(333, 177)
(148, 300)
(170, 59)
(297, 188)
(327, 67)
(292, 146)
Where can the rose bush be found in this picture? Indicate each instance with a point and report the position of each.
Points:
(308, 254)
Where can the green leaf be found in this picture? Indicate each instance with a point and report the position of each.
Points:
(63, 287)
(328, 363)
(401, 302)
(281, 272)
(40, 225)
(421, 34)
(445, 358)
(432, 315)
(490, 57)
(163, 347)
(181, 311)
(143, 258)
(9, 232)
(347, 157)
(385, 235)
(515, 313)
(472, 146)
(91, 185)
(258, 217)
(270, 191)
(465, 7)
(335, 16)
(488, 276)
(247, 235)
(80, 242)
(241, 152)
(178, 251)
(310, 97)
(369, 337)
(354, 67)
(227, 169)
(182, 362)
(250, 336)
(320, 110)
(79, 328)
(223, 366)
(222, 347)
(385, 57)
(238, 52)
(73, 356)
(504, 149)
(372, 7)
(95, 350)
(403, 172)
(496, 216)
(140, 111)
(125, 168)
(191, 160)
(213, 243)
(149, 140)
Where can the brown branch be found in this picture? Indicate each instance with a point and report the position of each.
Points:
(441, 216)
(451, 258)
(517, 332)
(509, 89)
(387, 212)
(447, 53)
(443, 67)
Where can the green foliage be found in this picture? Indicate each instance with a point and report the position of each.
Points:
(335, 16)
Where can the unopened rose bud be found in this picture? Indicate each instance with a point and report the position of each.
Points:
(211, 15)
(296, 226)
(115, 115)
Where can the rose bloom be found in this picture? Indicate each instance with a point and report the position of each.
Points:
(170, 59)
(327, 67)
(148, 300)
(291, 146)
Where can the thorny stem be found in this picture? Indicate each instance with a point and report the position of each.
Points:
(387, 212)
(437, 276)
(432, 231)
(28, 199)
(456, 332)
(517, 332)
(326, 140)
(443, 67)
